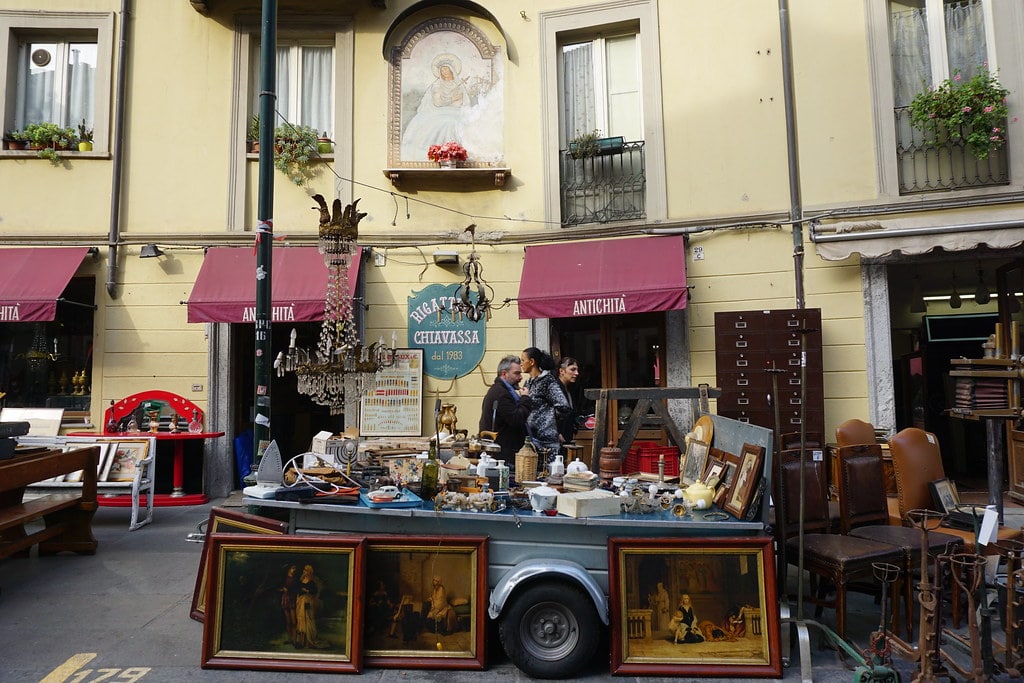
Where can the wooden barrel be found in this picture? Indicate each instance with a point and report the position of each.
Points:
(610, 462)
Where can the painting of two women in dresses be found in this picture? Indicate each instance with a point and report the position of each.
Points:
(689, 607)
(287, 603)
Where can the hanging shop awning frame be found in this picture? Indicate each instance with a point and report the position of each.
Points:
(33, 279)
(225, 289)
(604, 277)
(911, 237)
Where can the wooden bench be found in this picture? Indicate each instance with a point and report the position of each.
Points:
(66, 517)
(140, 488)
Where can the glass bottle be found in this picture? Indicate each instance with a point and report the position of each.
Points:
(111, 427)
(195, 425)
(502, 476)
(133, 425)
(428, 481)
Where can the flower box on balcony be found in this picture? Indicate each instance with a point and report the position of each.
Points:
(584, 146)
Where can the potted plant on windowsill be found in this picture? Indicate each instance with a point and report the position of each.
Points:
(48, 138)
(973, 110)
(585, 145)
(84, 137)
(15, 140)
(295, 148)
(252, 134)
(324, 144)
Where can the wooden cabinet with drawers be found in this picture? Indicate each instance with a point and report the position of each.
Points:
(748, 344)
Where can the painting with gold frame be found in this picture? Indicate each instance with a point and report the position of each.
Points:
(226, 520)
(284, 603)
(426, 600)
(693, 607)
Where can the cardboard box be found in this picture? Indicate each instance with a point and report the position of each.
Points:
(588, 504)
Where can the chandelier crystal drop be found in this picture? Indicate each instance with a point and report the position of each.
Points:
(340, 366)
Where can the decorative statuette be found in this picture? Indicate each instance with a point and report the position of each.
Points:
(195, 426)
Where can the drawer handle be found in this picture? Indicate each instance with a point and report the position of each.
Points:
(742, 382)
(741, 325)
(741, 344)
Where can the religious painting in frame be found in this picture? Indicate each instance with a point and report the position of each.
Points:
(426, 600)
(284, 603)
(694, 461)
(748, 477)
(446, 85)
(228, 521)
(693, 607)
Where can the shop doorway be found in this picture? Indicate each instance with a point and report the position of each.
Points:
(623, 351)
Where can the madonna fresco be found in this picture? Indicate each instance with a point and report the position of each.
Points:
(446, 86)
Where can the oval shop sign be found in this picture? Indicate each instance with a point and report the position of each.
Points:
(452, 343)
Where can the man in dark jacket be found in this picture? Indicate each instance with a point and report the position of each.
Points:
(505, 408)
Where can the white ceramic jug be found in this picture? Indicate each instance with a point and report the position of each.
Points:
(557, 467)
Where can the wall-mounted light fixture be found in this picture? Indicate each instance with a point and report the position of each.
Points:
(150, 251)
(444, 257)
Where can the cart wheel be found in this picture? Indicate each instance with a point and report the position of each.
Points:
(551, 630)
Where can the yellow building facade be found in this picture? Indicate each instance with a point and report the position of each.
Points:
(769, 139)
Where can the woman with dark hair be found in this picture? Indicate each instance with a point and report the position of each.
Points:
(568, 371)
(548, 400)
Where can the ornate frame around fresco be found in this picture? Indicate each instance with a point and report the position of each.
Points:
(729, 586)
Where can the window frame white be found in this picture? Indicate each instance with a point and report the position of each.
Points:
(560, 27)
(295, 46)
(602, 91)
(69, 26)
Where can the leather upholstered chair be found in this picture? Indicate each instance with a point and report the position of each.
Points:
(916, 461)
(854, 431)
(828, 557)
(864, 513)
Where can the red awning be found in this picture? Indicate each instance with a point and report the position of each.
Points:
(576, 279)
(225, 289)
(31, 281)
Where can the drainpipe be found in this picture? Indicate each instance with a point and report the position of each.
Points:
(792, 154)
(116, 139)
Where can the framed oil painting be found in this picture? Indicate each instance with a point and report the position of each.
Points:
(284, 603)
(694, 461)
(745, 483)
(228, 521)
(425, 602)
(693, 607)
(101, 458)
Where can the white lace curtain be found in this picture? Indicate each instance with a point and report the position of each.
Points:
(966, 46)
(314, 101)
(579, 108)
(40, 105)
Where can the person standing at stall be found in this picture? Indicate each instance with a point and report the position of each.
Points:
(549, 403)
(506, 407)
(568, 371)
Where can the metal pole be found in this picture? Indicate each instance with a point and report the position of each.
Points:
(265, 227)
(792, 154)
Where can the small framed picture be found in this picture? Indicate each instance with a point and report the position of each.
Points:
(945, 495)
(100, 459)
(694, 607)
(284, 603)
(694, 461)
(713, 472)
(426, 600)
(748, 476)
(227, 521)
(123, 460)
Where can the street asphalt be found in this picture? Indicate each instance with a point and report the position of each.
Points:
(122, 615)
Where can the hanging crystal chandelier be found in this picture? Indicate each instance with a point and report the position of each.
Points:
(473, 282)
(340, 366)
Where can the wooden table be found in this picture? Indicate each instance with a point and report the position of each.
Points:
(67, 516)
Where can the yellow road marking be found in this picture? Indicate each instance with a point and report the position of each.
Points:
(73, 664)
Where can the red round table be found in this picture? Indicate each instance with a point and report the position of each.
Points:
(177, 495)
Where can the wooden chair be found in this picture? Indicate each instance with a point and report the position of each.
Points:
(854, 431)
(834, 558)
(864, 513)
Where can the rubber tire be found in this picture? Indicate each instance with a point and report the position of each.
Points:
(550, 630)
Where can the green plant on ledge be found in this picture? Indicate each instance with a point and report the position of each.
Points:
(295, 150)
(48, 137)
(584, 145)
(972, 109)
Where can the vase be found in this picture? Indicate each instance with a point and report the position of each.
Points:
(447, 163)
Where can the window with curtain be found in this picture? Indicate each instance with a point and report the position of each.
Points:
(305, 85)
(932, 40)
(600, 87)
(56, 82)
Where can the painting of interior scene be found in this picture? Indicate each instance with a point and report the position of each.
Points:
(421, 601)
(693, 606)
(291, 604)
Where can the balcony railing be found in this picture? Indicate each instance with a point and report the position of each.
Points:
(607, 187)
(949, 165)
